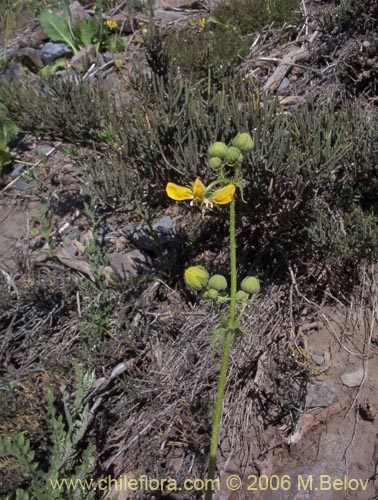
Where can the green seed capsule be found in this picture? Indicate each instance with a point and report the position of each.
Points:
(243, 142)
(215, 163)
(213, 294)
(241, 296)
(250, 285)
(218, 150)
(196, 277)
(232, 155)
(218, 282)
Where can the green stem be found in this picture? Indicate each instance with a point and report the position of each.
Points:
(224, 363)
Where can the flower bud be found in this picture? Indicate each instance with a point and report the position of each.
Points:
(215, 163)
(213, 294)
(241, 296)
(218, 149)
(196, 277)
(250, 285)
(243, 142)
(218, 282)
(232, 155)
(239, 161)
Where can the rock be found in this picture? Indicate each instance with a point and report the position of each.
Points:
(12, 73)
(128, 264)
(321, 394)
(285, 83)
(169, 16)
(140, 238)
(31, 58)
(165, 230)
(52, 51)
(22, 185)
(70, 250)
(176, 4)
(78, 12)
(318, 358)
(115, 84)
(18, 170)
(36, 37)
(43, 150)
(353, 379)
(164, 233)
(84, 58)
(9, 266)
(327, 357)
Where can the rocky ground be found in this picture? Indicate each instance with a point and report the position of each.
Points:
(301, 397)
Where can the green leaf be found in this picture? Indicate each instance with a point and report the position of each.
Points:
(8, 132)
(56, 29)
(53, 67)
(86, 32)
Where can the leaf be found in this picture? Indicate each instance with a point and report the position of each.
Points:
(86, 32)
(56, 29)
(8, 132)
(53, 67)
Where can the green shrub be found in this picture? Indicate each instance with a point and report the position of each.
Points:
(309, 165)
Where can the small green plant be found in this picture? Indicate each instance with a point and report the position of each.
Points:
(97, 292)
(66, 458)
(225, 162)
(59, 27)
(44, 193)
(8, 133)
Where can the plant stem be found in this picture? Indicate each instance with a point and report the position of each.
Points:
(224, 363)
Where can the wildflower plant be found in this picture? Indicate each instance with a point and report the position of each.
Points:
(226, 163)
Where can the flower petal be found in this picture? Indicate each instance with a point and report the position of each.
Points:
(223, 195)
(198, 190)
(178, 193)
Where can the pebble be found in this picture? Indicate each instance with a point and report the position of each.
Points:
(353, 379)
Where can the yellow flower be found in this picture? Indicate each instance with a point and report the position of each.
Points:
(198, 193)
(111, 24)
(201, 24)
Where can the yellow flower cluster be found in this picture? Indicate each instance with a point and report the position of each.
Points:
(201, 24)
(111, 24)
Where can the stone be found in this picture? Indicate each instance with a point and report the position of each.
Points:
(353, 379)
(18, 170)
(84, 58)
(140, 239)
(318, 358)
(12, 73)
(9, 266)
(128, 264)
(166, 17)
(34, 37)
(52, 51)
(30, 58)
(285, 83)
(321, 394)
(78, 12)
(22, 185)
(176, 4)
(43, 150)
(164, 232)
